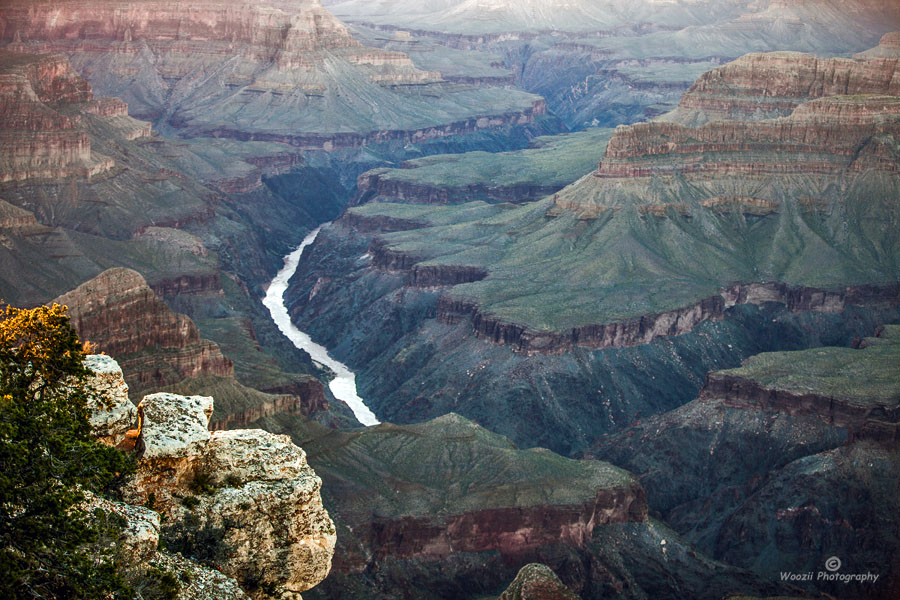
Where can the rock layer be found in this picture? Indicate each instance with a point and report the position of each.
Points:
(764, 86)
(42, 135)
(120, 313)
(645, 329)
(215, 69)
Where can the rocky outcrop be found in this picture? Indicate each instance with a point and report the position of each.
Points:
(197, 582)
(112, 414)
(239, 476)
(119, 313)
(304, 397)
(40, 139)
(537, 582)
(822, 137)
(765, 86)
(226, 473)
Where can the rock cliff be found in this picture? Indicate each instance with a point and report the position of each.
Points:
(789, 456)
(215, 68)
(373, 184)
(768, 85)
(220, 484)
(123, 316)
(43, 137)
(846, 388)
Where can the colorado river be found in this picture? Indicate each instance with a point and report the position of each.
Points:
(343, 386)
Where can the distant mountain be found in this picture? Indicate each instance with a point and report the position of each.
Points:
(284, 71)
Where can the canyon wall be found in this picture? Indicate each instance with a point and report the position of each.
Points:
(214, 68)
(375, 184)
(43, 136)
(121, 315)
(764, 86)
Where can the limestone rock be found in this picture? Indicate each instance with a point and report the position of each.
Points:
(252, 487)
(198, 582)
(111, 412)
(140, 537)
(174, 426)
(253, 455)
(537, 582)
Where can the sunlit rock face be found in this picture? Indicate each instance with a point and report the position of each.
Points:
(252, 487)
(112, 414)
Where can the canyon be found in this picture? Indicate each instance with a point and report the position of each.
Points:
(535, 289)
(760, 204)
(216, 70)
(767, 443)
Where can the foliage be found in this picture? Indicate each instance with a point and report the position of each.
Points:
(49, 546)
(159, 584)
(200, 540)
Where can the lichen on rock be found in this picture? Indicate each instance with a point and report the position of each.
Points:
(112, 414)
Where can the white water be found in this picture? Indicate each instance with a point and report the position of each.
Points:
(343, 386)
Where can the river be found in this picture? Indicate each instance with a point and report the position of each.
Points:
(343, 386)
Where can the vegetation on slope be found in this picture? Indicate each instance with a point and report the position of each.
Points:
(865, 376)
(50, 545)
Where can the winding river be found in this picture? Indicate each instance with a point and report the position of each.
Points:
(343, 386)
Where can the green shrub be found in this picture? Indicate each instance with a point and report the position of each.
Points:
(50, 547)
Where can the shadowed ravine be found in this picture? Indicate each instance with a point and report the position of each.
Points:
(343, 386)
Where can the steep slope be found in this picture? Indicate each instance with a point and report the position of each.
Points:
(277, 71)
(446, 509)
(119, 313)
(161, 350)
(149, 210)
(783, 463)
(676, 233)
(608, 63)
